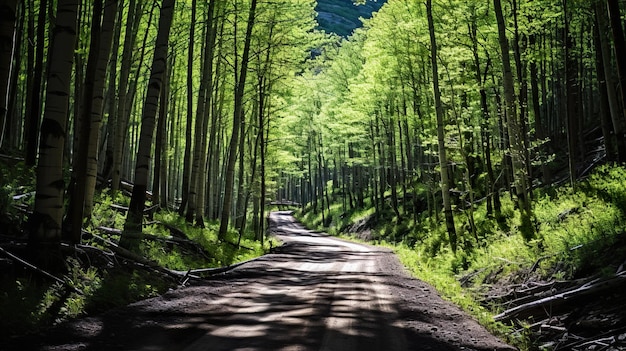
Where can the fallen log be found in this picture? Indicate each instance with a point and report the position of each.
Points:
(11, 159)
(174, 231)
(520, 297)
(128, 187)
(129, 255)
(550, 304)
(146, 211)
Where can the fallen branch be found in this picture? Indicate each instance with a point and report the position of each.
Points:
(604, 336)
(554, 302)
(218, 270)
(174, 231)
(23, 196)
(40, 271)
(129, 255)
(123, 209)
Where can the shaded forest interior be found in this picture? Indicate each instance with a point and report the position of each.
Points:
(140, 140)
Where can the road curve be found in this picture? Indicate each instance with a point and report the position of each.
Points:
(313, 293)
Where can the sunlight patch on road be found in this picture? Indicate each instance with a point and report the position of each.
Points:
(241, 331)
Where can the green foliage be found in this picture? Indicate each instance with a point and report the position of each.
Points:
(15, 180)
(219, 253)
(580, 232)
(27, 303)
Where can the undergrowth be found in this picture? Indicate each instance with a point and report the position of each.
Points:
(579, 232)
(29, 302)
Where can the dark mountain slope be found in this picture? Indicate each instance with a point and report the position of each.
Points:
(342, 16)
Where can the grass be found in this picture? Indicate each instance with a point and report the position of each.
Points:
(579, 232)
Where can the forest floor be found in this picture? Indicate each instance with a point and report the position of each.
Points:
(313, 293)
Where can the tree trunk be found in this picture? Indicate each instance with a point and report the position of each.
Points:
(30, 68)
(160, 144)
(196, 203)
(610, 145)
(107, 168)
(240, 203)
(540, 133)
(137, 203)
(106, 39)
(121, 115)
(189, 122)
(393, 164)
(213, 169)
(619, 45)
(260, 235)
(618, 122)
(35, 103)
(45, 222)
(8, 11)
(515, 140)
(443, 160)
(571, 83)
(133, 125)
(521, 72)
(79, 171)
(237, 118)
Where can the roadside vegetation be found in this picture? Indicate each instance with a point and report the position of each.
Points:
(96, 278)
(580, 234)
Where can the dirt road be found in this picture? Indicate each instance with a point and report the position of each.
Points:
(314, 293)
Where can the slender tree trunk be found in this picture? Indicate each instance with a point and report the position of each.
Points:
(79, 172)
(198, 176)
(12, 128)
(106, 39)
(321, 184)
(121, 115)
(160, 154)
(443, 160)
(159, 63)
(517, 150)
(189, 122)
(107, 169)
(519, 45)
(46, 220)
(35, 103)
(204, 110)
(393, 165)
(540, 132)
(8, 17)
(619, 45)
(239, 214)
(30, 68)
(618, 122)
(493, 200)
(132, 107)
(213, 167)
(610, 145)
(237, 118)
(571, 83)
